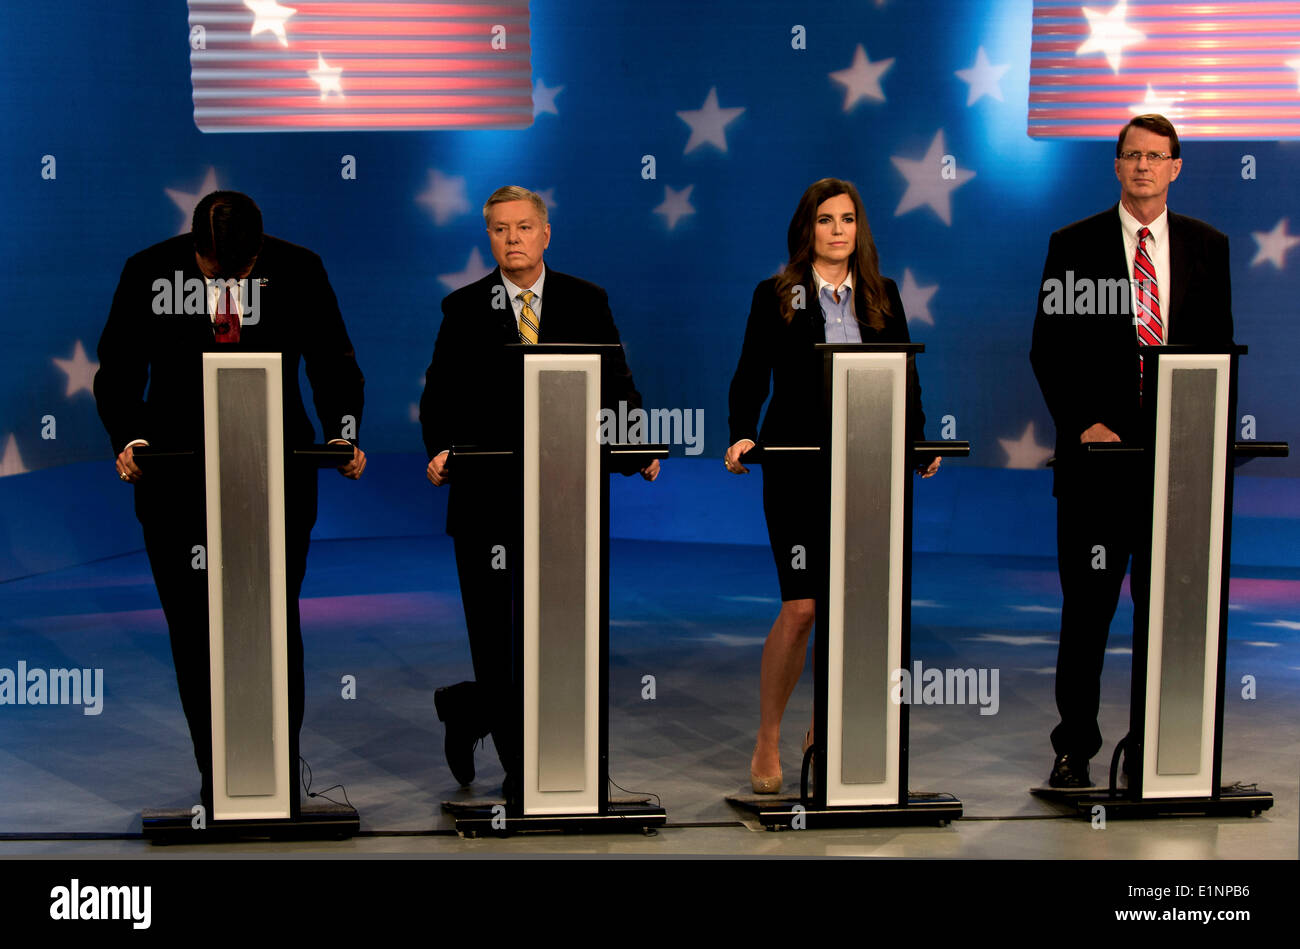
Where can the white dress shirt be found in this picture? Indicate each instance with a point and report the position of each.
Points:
(518, 304)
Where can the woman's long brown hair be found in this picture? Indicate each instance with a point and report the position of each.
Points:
(865, 265)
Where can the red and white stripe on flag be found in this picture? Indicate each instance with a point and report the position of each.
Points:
(1216, 70)
(359, 65)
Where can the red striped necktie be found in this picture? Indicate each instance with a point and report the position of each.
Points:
(226, 325)
(1150, 327)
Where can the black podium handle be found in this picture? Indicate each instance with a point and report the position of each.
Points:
(1254, 449)
(632, 450)
(324, 456)
(145, 455)
(944, 449)
(1121, 448)
(762, 453)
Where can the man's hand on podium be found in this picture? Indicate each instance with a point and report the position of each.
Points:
(354, 467)
(127, 469)
(1097, 432)
(437, 471)
(930, 470)
(731, 460)
(651, 471)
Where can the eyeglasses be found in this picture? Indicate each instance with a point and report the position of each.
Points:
(1154, 158)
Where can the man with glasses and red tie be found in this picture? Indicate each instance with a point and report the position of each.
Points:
(1172, 275)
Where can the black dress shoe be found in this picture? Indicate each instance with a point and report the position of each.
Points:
(455, 705)
(1070, 771)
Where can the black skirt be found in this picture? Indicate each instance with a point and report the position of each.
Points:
(794, 504)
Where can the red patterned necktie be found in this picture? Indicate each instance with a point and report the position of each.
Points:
(1151, 329)
(226, 325)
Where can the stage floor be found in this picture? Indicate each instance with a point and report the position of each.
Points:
(694, 616)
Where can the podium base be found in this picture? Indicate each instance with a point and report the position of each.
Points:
(315, 822)
(1230, 803)
(779, 813)
(489, 818)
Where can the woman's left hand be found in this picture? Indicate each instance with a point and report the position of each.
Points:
(929, 471)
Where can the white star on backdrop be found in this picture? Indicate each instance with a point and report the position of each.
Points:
(862, 79)
(328, 77)
(544, 98)
(548, 199)
(81, 371)
(1280, 624)
(916, 298)
(708, 123)
(187, 202)
(12, 462)
(269, 17)
(445, 196)
(1110, 34)
(676, 205)
(1155, 103)
(926, 184)
(413, 410)
(1024, 452)
(475, 269)
(982, 78)
(1273, 245)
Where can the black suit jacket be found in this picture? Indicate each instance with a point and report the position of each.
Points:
(297, 316)
(1087, 364)
(779, 357)
(469, 399)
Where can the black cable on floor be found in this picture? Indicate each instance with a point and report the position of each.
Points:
(306, 785)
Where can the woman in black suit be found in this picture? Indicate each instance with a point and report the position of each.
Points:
(830, 291)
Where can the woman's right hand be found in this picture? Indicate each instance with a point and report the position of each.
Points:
(732, 458)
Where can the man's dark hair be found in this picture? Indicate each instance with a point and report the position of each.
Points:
(1152, 123)
(228, 229)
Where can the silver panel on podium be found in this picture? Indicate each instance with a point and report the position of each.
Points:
(561, 579)
(864, 635)
(244, 471)
(1186, 560)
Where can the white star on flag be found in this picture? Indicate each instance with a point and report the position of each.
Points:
(916, 298)
(1110, 34)
(708, 123)
(12, 462)
(1024, 452)
(187, 202)
(862, 79)
(1295, 64)
(926, 183)
(1155, 103)
(269, 17)
(1273, 245)
(475, 269)
(328, 77)
(81, 371)
(982, 78)
(676, 205)
(544, 98)
(445, 196)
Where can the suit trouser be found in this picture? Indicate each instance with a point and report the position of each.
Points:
(1099, 526)
(183, 593)
(487, 594)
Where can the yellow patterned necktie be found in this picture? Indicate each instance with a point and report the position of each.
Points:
(527, 318)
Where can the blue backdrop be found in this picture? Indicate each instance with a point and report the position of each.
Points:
(105, 90)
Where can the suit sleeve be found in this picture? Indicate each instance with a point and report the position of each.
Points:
(124, 362)
(915, 414)
(752, 380)
(1224, 326)
(1057, 368)
(331, 363)
(618, 382)
(442, 376)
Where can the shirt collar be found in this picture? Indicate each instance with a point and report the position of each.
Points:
(1159, 227)
(514, 291)
(822, 283)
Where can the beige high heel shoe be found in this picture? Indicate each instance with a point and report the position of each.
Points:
(764, 784)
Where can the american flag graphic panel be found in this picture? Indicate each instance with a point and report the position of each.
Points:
(359, 65)
(1216, 70)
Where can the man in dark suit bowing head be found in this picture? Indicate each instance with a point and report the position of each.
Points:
(223, 287)
(466, 401)
(1134, 275)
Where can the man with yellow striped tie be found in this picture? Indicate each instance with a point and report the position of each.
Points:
(466, 402)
